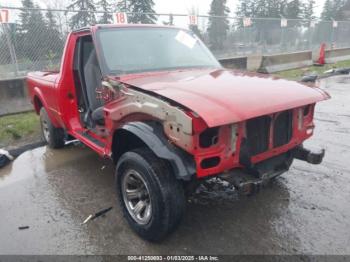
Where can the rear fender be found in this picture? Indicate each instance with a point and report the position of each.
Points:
(38, 93)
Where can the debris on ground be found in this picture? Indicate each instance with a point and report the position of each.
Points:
(214, 188)
(328, 73)
(8, 156)
(23, 227)
(98, 214)
(309, 78)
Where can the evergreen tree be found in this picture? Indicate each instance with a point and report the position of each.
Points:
(32, 32)
(218, 26)
(339, 6)
(308, 12)
(54, 39)
(334, 9)
(142, 10)
(328, 10)
(122, 6)
(346, 10)
(85, 15)
(244, 9)
(105, 6)
(292, 9)
(196, 31)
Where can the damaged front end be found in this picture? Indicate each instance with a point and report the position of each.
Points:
(261, 148)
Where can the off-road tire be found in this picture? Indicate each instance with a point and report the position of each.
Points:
(166, 193)
(53, 136)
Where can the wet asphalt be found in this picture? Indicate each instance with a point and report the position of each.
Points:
(305, 211)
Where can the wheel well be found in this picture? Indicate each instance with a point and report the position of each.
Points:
(37, 104)
(124, 141)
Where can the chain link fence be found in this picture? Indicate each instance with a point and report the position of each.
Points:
(38, 45)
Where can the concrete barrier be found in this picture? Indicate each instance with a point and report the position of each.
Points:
(14, 96)
(234, 62)
(250, 63)
(337, 55)
(281, 62)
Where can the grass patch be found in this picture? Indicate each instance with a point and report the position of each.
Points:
(18, 128)
(297, 74)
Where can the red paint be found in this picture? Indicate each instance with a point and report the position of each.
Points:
(211, 97)
(236, 95)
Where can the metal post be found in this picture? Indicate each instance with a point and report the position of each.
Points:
(11, 49)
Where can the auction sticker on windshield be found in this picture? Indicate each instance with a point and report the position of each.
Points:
(185, 39)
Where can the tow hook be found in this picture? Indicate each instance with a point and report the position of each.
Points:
(304, 154)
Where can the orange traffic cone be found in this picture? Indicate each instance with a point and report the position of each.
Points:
(321, 59)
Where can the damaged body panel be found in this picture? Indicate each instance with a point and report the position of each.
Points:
(219, 144)
(238, 96)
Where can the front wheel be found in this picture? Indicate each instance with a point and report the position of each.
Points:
(152, 200)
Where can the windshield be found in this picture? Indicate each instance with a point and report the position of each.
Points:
(130, 50)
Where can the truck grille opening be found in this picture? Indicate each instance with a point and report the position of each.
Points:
(258, 132)
(210, 162)
(283, 129)
(209, 137)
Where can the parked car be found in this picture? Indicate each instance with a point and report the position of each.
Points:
(156, 101)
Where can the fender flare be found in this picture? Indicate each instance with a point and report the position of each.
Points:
(38, 93)
(152, 134)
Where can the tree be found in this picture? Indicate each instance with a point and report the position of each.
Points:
(32, 32)
(142, 10)
(328, 9)
(218, 26)
(292, 9)
(196, 31)
(54, 39)
(85, 13)
(346, 11)
(105, 6)
(334, 9)
(308, 10)
(122, 5)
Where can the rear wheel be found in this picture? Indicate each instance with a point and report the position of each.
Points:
(53, 136)
(152, 200)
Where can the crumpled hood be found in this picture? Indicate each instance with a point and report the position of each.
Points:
(222, 96)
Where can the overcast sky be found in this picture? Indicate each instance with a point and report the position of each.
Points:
(165, 6)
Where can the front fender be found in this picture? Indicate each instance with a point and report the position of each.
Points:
(152, 134)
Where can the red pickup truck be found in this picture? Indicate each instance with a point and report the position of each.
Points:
(156, 101)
